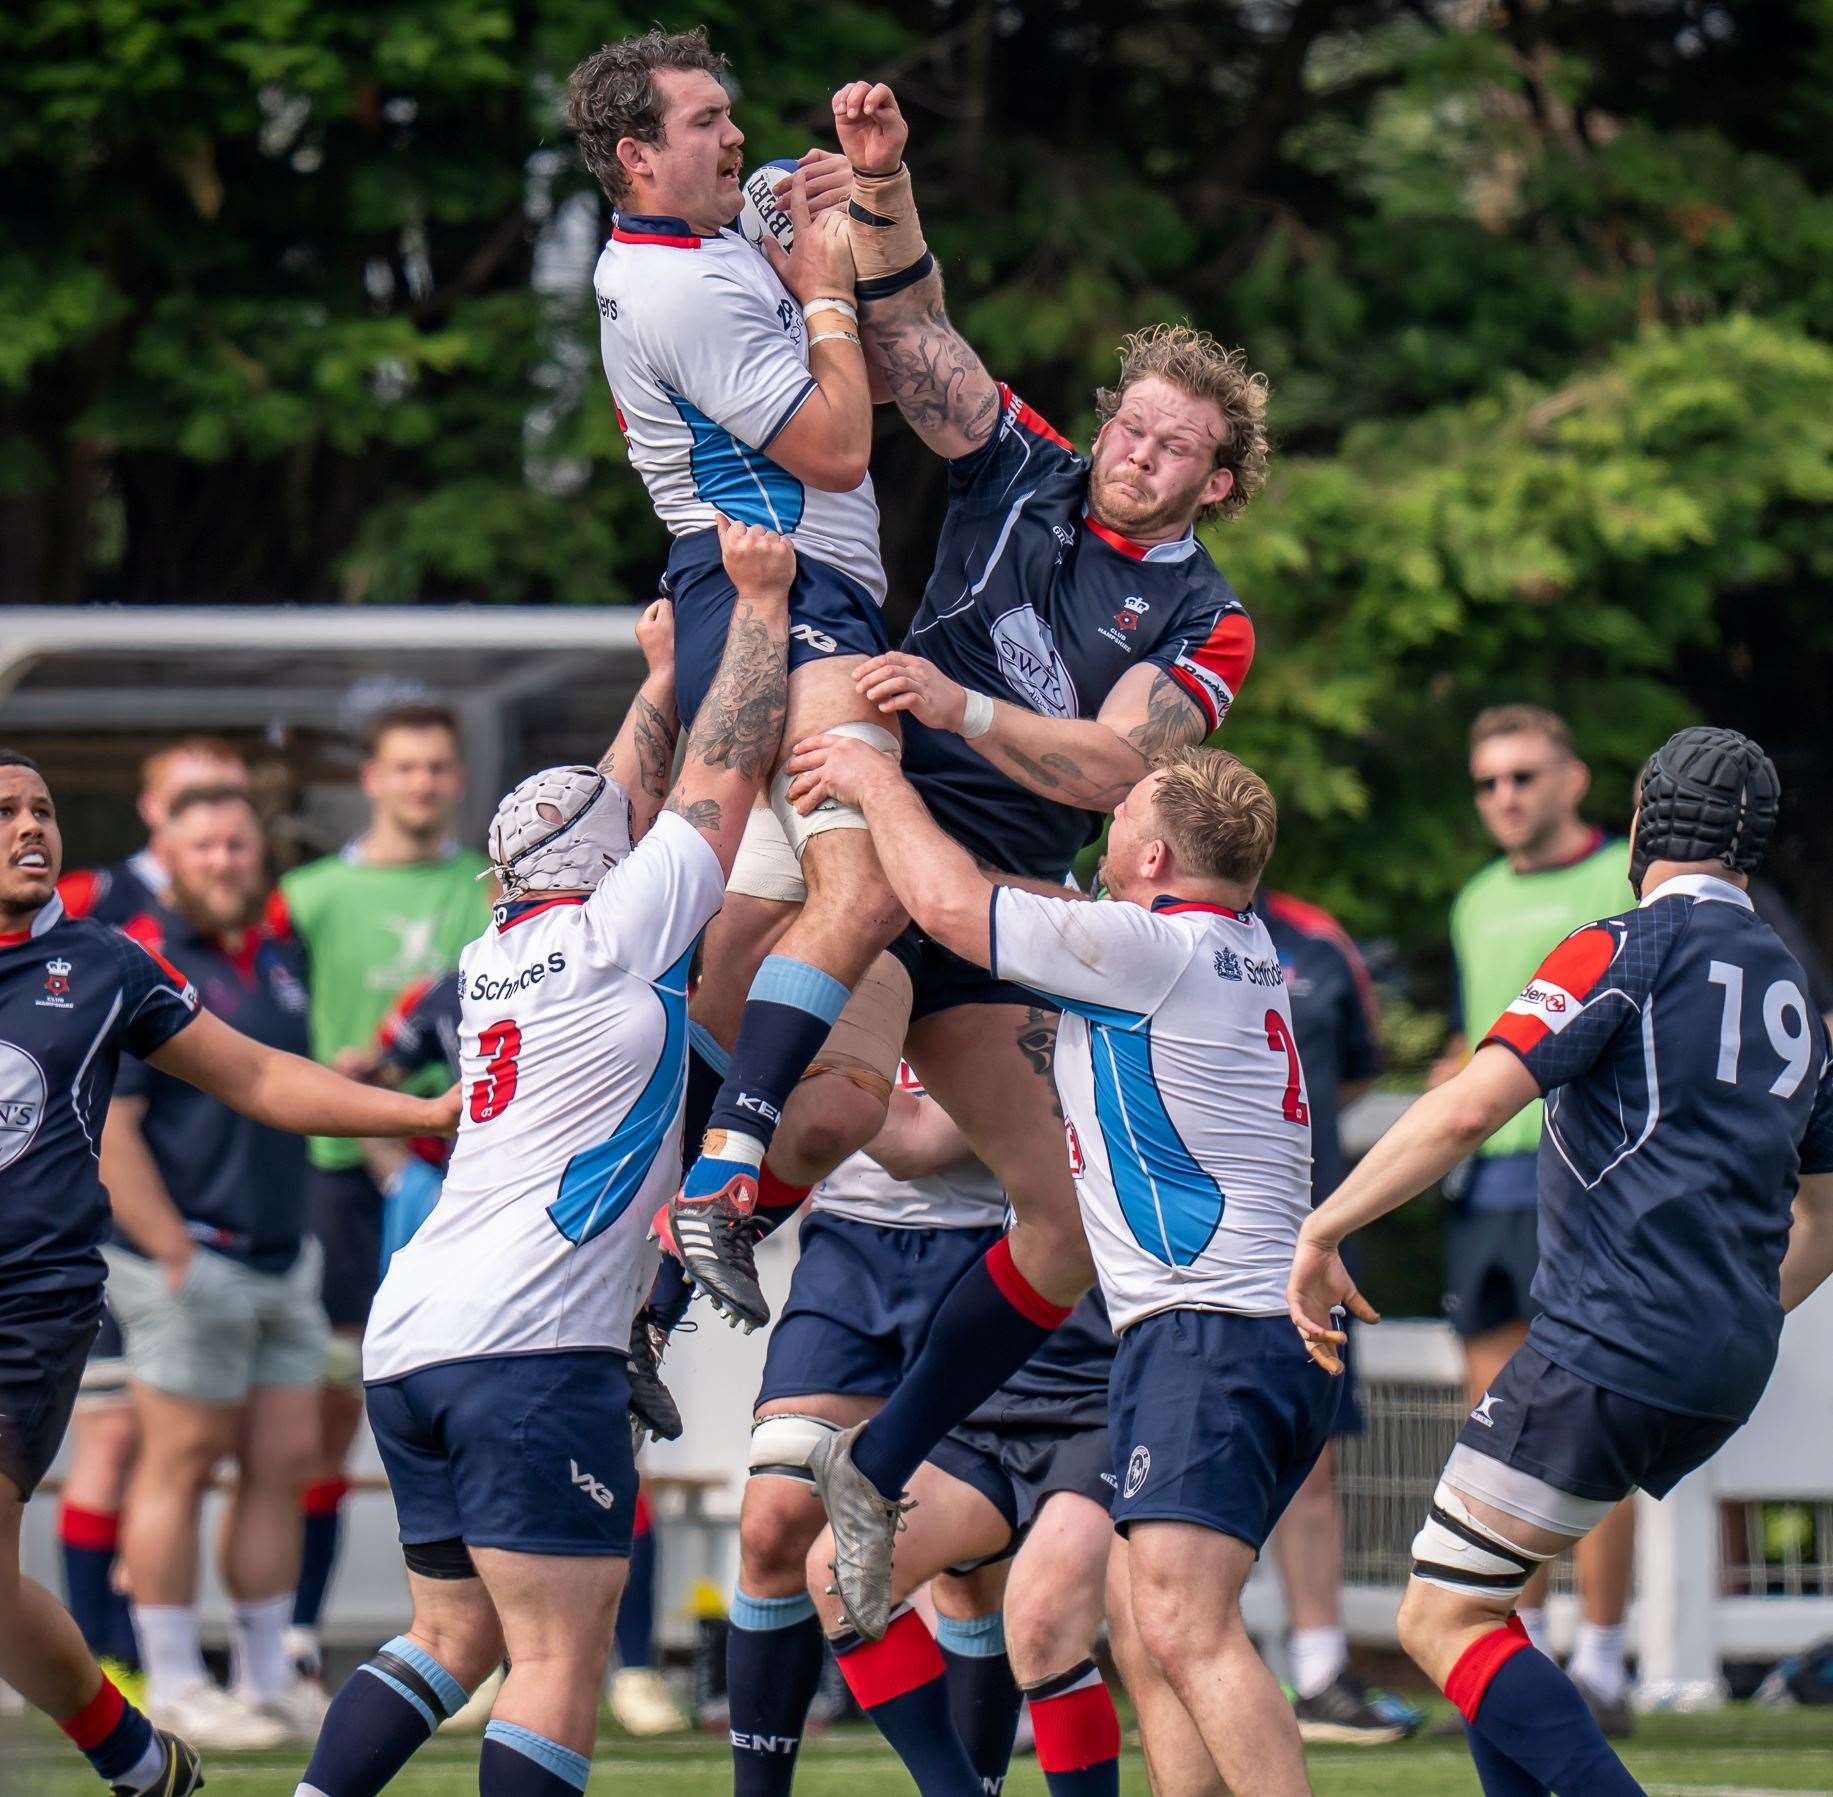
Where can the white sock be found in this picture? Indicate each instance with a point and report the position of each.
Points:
(1535, 1622)
(149, 1770)
(1597, 1660)
(300, 1645)
(257, 1649)
(170, 1650)
(1318, 1655)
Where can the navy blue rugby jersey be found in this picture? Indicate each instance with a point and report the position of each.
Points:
(1685, 1074)
(1032, 601)
(239, 1185)
(1064, 1384)
(420, 1031)
(74, 996)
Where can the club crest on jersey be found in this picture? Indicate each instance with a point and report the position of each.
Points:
(1032, 667)
(1228, 964)
(57, 986)
(1078, 1161)
(1132, 609)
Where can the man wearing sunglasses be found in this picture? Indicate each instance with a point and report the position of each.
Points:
(1555, 873)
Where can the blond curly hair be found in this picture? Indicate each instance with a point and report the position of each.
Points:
(1195, 363)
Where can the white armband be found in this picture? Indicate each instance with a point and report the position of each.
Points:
(976, 716)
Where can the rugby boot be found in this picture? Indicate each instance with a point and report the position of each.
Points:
(182, 1773)
(1347, 1713)
(865, 1524)
(709, 1231)
(653, 1411)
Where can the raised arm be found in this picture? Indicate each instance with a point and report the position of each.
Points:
(940, 385)
(642, 755)
(739, 729)
(936, 880)
(1088, 762)
(286, 1091)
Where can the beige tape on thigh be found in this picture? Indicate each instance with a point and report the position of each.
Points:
(766, 866)
(867, 1040)
(831, 814)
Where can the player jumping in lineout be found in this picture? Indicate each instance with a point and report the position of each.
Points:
(1688, 1108)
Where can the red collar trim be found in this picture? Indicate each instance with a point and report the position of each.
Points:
(1164, 906)
(521, 910)
(1113, 539)
(670, 233)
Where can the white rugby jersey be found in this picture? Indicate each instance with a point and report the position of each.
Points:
(707, 357)
(962, 1195)
(574, 1060)
(1189, 1131)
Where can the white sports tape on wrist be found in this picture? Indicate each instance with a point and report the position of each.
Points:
(781, 1445)
(1456, 1552)
(887, 236)
(976, 716)
(766, 866)
(830, 814)
(830, 303)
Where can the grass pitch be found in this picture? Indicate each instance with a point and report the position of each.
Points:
(1738, 1752)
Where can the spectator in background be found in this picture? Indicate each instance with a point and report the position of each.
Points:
(1337, 1025)
(216, 1286)
(397, 904)
(102, 1430)
(1555, 873)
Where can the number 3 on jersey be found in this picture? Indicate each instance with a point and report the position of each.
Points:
(490, 1096)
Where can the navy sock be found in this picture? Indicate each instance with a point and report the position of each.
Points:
(382, 1714)
(899, 1684)
(1078, 1733)
(1498, 1775)
(1532, 1715)
(707, 1067)
(114, 1737)
(323, 1504)
(636, 1612)
(774, 1657)
(983, 1697)
(988, 1326)
(517, 1762)
(87, 1539)
(788, 1013)
(671, 1294)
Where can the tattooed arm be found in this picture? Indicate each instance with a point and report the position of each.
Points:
(643, 754)
(1091, 763)
(739, 728)
(940, 385)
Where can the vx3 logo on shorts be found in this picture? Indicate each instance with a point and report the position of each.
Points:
(1482, 1412)
(818, 640)
(599, 1494)
(1139, 1469)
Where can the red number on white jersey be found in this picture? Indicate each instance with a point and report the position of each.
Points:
(1279, 1039)
(490, 1096)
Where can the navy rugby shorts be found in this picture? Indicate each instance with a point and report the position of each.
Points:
(529, 1453)
(45, 1338)
(830, 614)
(1215, 1419)
(1016, 1470)
(861, 1300)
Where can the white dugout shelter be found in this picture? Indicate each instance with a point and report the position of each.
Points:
(1737, 1564)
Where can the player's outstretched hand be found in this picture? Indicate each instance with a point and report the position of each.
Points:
(835, 767)
(871, 129)
(1318, 1285)
(899, 682)
(655, 636)
(830, 180)
(761, 563)
(820, 266)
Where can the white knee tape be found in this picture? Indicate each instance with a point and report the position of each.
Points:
(766, 866)
(781, 1446)
(830, 814)
(1456, 1552)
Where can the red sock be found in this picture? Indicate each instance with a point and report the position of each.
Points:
(775, 1193)
(1078, 1731)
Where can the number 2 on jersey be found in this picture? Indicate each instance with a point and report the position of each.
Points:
(490, 1096)
(1785, 1019)
(1279, 1039)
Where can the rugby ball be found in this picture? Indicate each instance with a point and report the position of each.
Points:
(765, 212)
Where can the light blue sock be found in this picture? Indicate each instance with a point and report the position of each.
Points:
(517, 1762)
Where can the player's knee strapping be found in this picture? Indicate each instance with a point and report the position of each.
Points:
(830, 814)
(1456, 1552)
(766, 866)
(867, 1040)
(781, 1447)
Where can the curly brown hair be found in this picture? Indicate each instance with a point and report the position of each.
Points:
(613, 95)
(1195, 363)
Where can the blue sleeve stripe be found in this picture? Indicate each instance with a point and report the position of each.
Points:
(993, 931)
(789, 411)
(783, 980)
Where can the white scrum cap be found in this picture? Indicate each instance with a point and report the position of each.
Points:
(561, 830)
